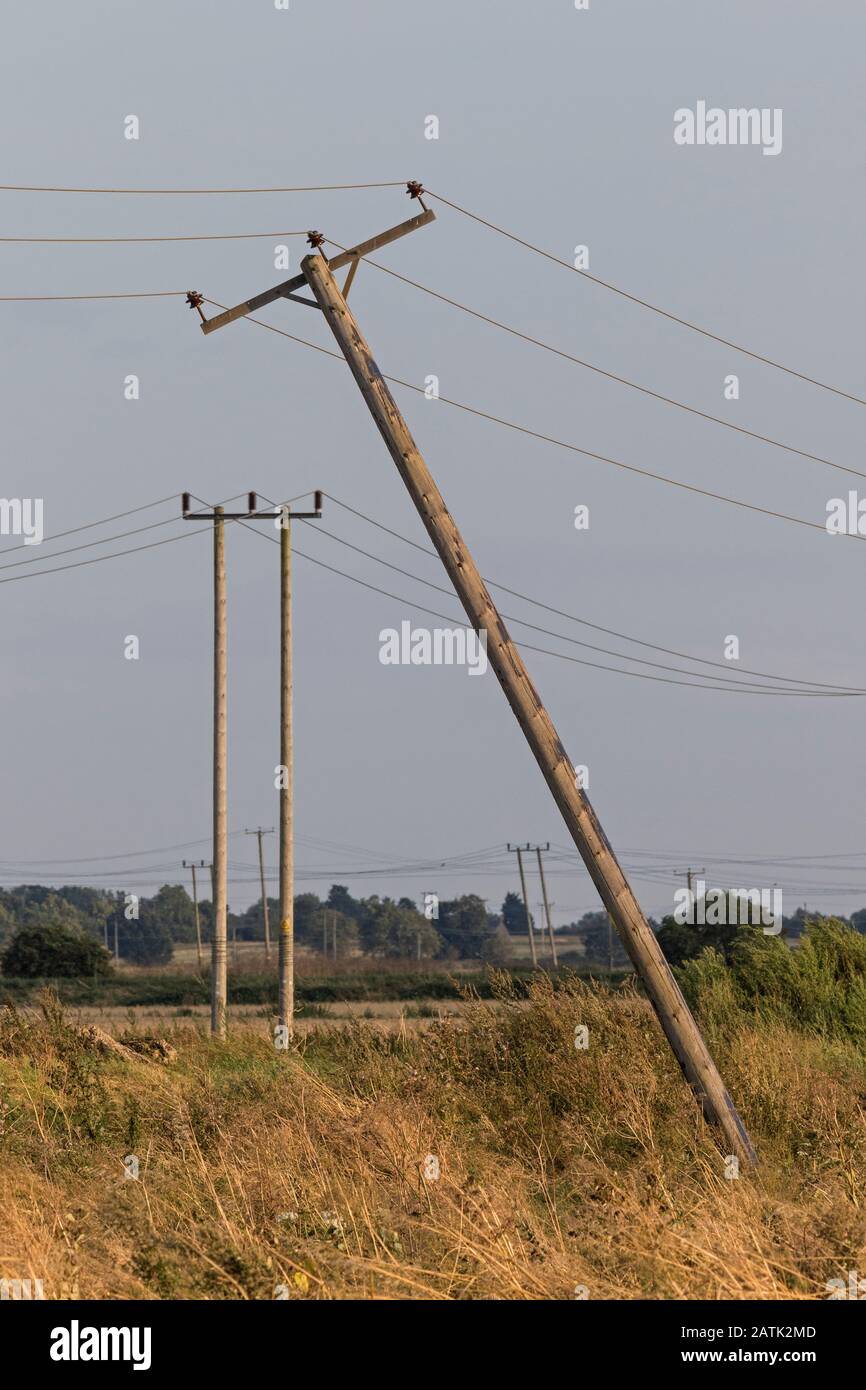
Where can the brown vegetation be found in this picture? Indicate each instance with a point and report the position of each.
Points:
(303, 1174)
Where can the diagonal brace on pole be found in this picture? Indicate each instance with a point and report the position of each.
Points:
(351, 258)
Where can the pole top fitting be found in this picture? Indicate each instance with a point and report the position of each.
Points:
(414, 188)
(315, 239)
(194, 300)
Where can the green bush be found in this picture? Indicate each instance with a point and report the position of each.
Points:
(52, 951)
(818, 988)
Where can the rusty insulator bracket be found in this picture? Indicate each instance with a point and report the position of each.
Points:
(316, 240)
(195, 300)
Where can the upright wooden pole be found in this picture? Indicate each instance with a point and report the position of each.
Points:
(197, 919)
(547, 909)
(680, 1028)
(526, 907)
(287, 924)
(260, 833)
(219, 970)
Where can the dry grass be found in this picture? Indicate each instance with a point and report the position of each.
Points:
(558, 1168)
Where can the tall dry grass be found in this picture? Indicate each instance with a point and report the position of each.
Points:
(560, 1170)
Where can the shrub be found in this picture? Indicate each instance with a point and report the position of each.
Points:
(819, 988)
(50, 950)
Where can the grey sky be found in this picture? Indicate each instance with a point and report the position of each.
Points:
(558, 125)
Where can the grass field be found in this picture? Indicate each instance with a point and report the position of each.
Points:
(476, 1156)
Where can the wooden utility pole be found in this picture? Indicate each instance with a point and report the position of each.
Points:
(260, 832)
(219, 867)
(283, 516)
(287, 781)
(519, 852)
(539, 850)
(689, 876)
(616, 894)
(191, 865)
(219, 983)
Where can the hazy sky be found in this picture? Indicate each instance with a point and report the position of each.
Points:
(558, 125)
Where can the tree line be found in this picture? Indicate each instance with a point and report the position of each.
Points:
(36, 921)
(41, 926)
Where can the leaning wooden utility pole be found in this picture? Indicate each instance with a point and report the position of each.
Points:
(539, 849)
(667, 999)
(680, 1028)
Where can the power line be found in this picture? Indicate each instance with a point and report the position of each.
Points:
(137, 240)
(558, 443)
(434, 294)
(86, 545)
(115, 555)
(729, 687)
(46, 298)
(645, 304)
(584, 622)
(308, 188)
(601, 371)
(105, 858)
(624, 656)
(89, 525)
(733, 684)
(485, 415)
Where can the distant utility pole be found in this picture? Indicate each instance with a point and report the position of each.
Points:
(518, 850)
(191, 865)
(539, 850)
(284, 517)
(260, 832)
(219, 872)
(680, 1028)
(689, 875)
